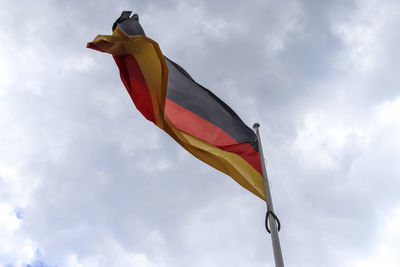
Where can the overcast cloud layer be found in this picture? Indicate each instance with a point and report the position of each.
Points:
(85, 180)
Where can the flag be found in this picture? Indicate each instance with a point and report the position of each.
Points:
(192, 115)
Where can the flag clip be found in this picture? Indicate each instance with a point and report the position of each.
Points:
(270, 212)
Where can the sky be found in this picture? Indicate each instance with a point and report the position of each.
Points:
(86, 180)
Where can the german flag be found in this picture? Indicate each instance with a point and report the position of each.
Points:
(191, 114)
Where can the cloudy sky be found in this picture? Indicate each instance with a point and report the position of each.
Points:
(85, 180)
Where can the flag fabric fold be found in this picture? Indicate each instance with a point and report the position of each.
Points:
(166, 95)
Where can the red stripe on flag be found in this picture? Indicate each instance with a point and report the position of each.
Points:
(135, 83)
(247, 152)
(192, 124)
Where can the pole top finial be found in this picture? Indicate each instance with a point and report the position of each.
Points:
(256, 125)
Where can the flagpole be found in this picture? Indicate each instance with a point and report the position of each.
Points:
(272, 219)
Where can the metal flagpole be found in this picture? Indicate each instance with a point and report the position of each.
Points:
(271, 219)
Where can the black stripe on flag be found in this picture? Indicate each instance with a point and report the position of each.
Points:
(187, 93)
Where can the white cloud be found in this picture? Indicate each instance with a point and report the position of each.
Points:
(388, 114)
(115, 256)
(80, 64)
(321, 141)
(387, 245)
(15, 248)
